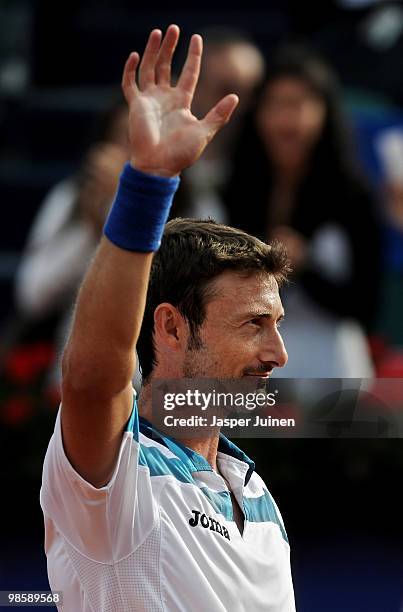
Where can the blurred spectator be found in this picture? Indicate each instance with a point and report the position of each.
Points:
(231, 64)
(69, 224)
(390, 149)
(294, 179)
(388, 345)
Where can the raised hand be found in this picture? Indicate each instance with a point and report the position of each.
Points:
(164, 136)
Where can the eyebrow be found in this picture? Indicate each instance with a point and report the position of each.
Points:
(264, 315)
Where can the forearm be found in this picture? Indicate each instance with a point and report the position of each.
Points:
(101, 349)
(100, 353)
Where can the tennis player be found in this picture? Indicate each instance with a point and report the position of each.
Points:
(136, 520)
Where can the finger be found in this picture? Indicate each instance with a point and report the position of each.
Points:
(220, 114)
(129, 85)
(167, 49)
(191, 70)
(148, 61)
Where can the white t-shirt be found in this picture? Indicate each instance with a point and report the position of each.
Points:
(57, 254)
(161, 536)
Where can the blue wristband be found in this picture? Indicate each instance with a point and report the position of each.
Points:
(140, 210)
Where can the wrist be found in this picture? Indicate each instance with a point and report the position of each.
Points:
(137, 219)
(164, 173)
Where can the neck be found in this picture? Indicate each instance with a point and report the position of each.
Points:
(290, 176)
(206, 446)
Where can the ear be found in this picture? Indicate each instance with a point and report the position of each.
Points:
(170, 329)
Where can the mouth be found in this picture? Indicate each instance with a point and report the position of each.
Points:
(264, 375)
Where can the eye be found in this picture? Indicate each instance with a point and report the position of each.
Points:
(279, 323)
(256, 322)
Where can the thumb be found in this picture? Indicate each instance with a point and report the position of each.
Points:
(220, 114)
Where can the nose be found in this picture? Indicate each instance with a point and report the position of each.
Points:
(282, 353)
(274, 351)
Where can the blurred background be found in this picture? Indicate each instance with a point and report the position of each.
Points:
(313, 157)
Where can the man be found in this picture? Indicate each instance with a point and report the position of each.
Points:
(136, 520)
(231, 63)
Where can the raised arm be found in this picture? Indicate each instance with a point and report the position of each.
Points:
(99, 359)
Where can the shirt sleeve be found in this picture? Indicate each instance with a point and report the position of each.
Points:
(56, 256)
(108, 523)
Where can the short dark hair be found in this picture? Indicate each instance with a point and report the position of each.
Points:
(193, 252)
(222, 36)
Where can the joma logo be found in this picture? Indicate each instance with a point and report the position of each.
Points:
(208, 522)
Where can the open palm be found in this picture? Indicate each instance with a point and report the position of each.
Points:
(165, 137)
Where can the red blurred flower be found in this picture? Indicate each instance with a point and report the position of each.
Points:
(24, 364)
(17, 410)
(391, 365)
(43, 355)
